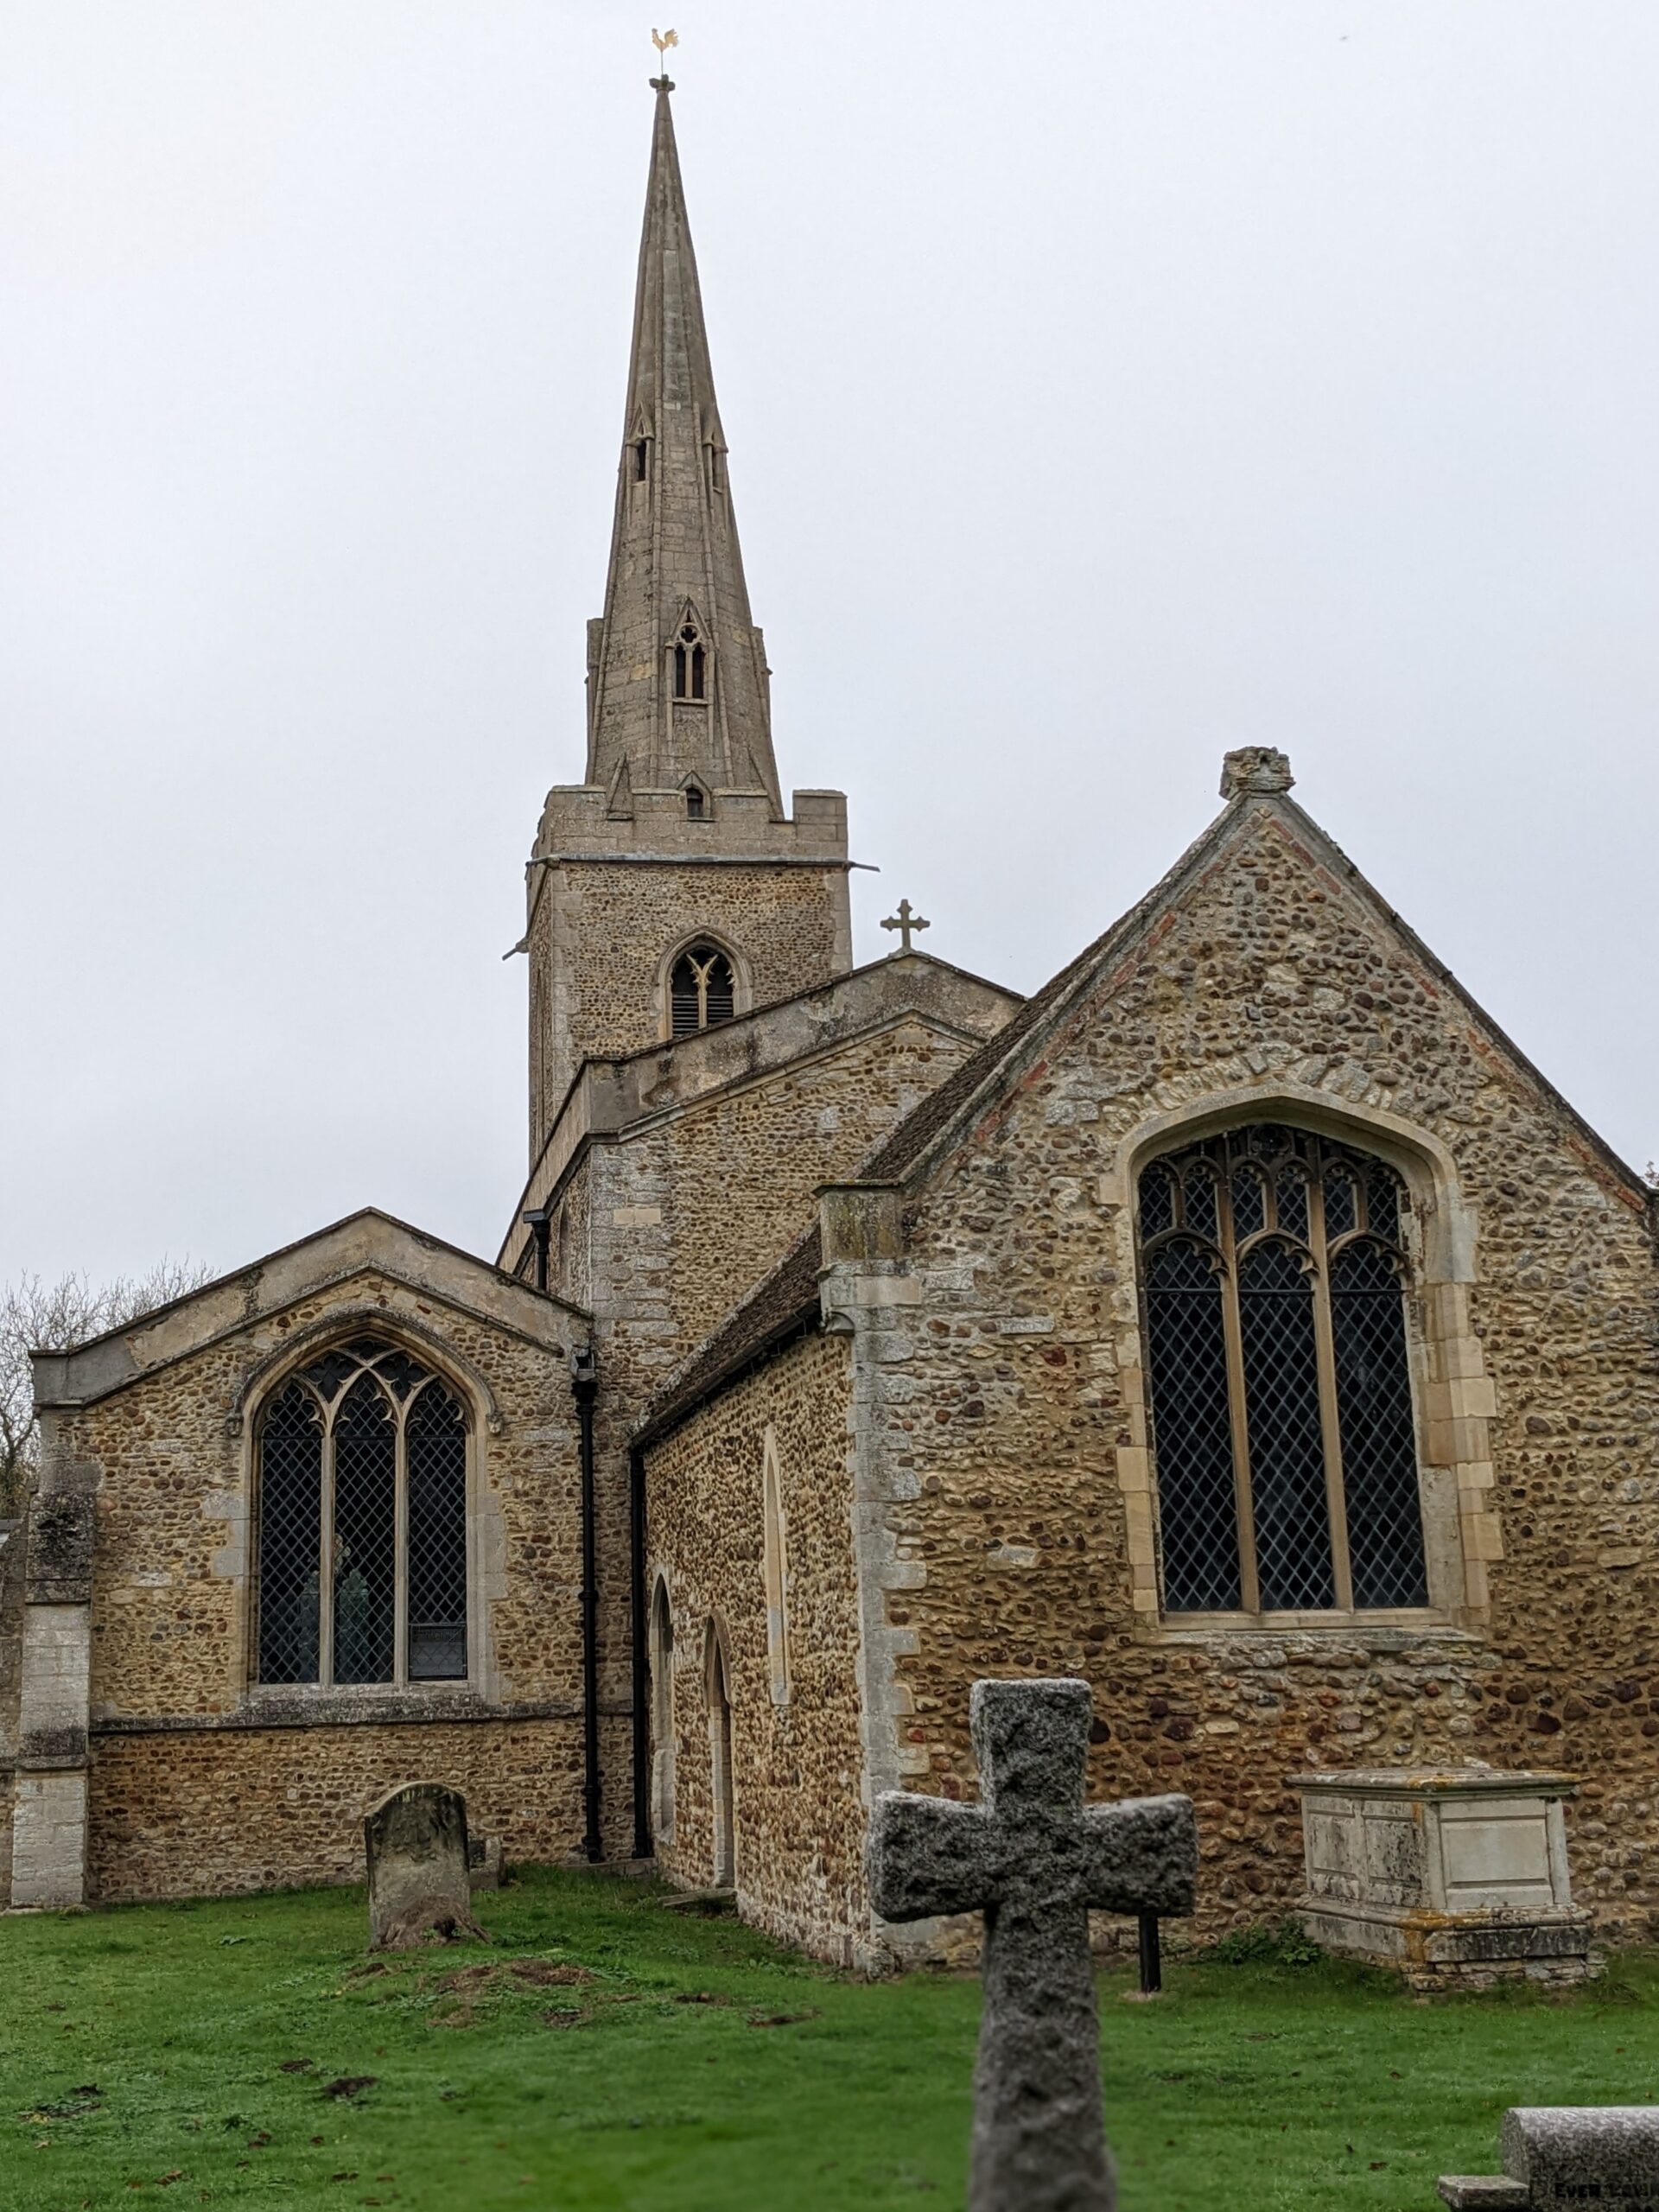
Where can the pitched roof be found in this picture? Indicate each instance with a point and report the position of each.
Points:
(779, 1307)
(366, 1241)
(765, 1318)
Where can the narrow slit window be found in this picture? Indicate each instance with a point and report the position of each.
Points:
(361, 1570)
(641, 459)
(696, 805)
(1284, 1442)
(775, 1572)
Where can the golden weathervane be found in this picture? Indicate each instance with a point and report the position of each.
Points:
(662, 41)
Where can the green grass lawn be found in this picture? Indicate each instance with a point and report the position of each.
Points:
(602, 2051)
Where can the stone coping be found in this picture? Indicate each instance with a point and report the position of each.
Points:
(1438, 1782)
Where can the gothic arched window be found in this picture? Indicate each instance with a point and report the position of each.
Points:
(774, 1563)
(702, 990)
(690, 663)
(362, 1524)
(1284, 1442)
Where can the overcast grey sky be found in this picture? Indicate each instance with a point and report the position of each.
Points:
(1107, 385)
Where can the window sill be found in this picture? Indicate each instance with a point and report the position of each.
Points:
(335, 1709)
(1384, 1630)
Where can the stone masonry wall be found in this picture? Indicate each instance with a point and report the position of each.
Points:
(677, 1220)
(600, 930)
(799, 1823)
(1017, 1405)
(194, 1807)
(219, 1813)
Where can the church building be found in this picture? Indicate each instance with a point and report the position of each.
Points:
(1242, 1324)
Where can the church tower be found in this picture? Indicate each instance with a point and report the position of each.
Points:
(670, 890)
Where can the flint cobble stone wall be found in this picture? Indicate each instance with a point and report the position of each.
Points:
(668, 1228)
(1019, 1392)
(170, 1614)
(798, 1820)
(221, 1813)
(739, 1174)
(599, 934)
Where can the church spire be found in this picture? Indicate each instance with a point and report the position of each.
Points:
(677, 670)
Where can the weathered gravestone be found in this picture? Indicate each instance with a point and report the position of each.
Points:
(416, 1837)
(1605, 2155)
(1034, 1858)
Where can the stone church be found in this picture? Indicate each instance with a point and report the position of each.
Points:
(1242, 1323)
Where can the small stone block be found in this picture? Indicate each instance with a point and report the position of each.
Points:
(1483, 2192)
(416, 1838)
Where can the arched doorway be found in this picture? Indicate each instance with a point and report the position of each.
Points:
(720, 1765)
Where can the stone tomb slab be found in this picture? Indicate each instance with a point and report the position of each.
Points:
(1456, 1877)
(419, 1891)
(1562, 2156)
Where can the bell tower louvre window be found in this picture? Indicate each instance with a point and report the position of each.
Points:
(702, 990)
(1274, 1278)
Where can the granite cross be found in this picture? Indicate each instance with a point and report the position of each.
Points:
(905, 921)
(1034, 1858)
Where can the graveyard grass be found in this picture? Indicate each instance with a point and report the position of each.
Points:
(189, 2050)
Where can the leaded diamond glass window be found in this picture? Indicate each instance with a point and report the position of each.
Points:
(1284, 1439)
(362, 1524)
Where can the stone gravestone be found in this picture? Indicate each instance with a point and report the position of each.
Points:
(1034, 1858)
(1559, 2155)
(416, 1837)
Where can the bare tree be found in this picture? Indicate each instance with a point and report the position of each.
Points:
(36, 1316)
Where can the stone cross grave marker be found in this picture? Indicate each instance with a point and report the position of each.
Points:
(416, 1837)
(1034, 1858)
(1559, 2155)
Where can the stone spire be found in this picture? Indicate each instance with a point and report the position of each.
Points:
(677, 672)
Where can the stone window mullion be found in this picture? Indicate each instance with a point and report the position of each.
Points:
(326, 1561)
(400, 1572)
(1249, 1581)
(1330, 1418)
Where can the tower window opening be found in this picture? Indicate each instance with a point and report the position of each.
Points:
(641, 459)
(690, 664)
(694, 804)
(701, 991)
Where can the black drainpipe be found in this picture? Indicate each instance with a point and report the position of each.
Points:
(642, 1837)
(539, 1222)
(584, 1386)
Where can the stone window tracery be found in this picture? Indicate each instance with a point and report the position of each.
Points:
(361, 1574)
(690, 663)
(702, 990)
(1284, 1439)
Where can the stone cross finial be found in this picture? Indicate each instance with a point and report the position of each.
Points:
(1034, 1858)
(1255, 768)
(904, 921)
